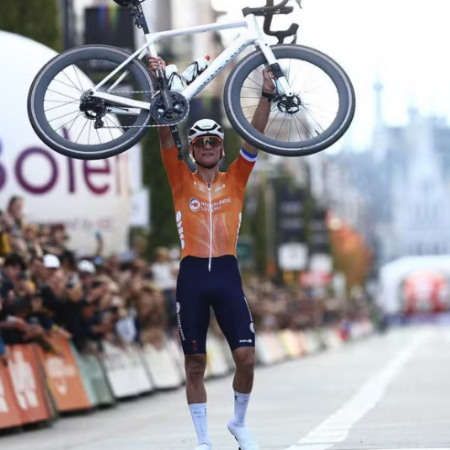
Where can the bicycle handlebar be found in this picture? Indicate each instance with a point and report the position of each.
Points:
(273, 8)
(268, 12)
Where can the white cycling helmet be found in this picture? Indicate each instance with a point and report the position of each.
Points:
(205, 127)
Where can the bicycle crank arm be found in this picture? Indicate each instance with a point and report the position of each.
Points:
(164, 90)
(177, 140)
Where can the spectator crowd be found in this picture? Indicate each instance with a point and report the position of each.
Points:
(46, 288)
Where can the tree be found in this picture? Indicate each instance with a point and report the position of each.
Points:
(259, 227)
(163, 227)
(37, 20)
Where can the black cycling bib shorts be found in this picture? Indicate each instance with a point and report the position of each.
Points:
(199, 288)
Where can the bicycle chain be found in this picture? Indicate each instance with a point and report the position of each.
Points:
(145, 126)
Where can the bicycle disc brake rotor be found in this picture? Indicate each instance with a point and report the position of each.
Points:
(289, 105)
(171, 116)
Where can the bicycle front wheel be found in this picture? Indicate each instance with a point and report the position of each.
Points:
(74, 125)
(320, 113)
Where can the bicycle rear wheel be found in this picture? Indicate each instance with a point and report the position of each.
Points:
(73, 125)
(322, 112)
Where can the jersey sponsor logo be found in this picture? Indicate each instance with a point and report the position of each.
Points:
(201, 187)
(249, 341)
(220, 188)
(215, 206)
(194, 204)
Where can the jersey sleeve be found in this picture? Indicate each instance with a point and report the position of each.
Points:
(241, 168)
(176, 169)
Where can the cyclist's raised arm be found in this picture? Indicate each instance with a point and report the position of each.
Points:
(262, 113)
(165, 136)
(166, 139)
(176, 169)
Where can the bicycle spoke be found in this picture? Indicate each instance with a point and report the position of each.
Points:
(64, 115)
(110, 132)
(99, 138)
(290, 126)
(71, 82)
(117, 125)
(279, 131)
(309, 105)
(73, 123)
(320, 115)
(296, 127)
(62, 126)
(56, 107)
(313, 118)
(81, 132)
(89, 134)
(304, 126)
(276, 115)
(89, 72)
(257, 84)
(256, 115)
(76, 73)
(64, 95)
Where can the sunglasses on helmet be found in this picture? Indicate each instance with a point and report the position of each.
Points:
(202, 142)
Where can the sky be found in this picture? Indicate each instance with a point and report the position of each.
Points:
(403, 43)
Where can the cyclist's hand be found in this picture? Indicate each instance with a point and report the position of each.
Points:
(268, 83)
(155, 63)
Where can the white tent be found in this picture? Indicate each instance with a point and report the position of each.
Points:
(394, 273)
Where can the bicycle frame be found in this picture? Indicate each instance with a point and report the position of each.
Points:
(252, 36)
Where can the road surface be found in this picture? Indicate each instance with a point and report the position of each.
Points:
(389, 392)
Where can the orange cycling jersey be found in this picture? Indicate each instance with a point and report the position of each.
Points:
(208, 217)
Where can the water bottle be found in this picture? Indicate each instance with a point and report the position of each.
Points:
(195, 69)
(174, 78)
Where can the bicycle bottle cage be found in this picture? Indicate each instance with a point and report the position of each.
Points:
(268, 12)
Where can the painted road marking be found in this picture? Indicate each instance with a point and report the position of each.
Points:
(336, 428)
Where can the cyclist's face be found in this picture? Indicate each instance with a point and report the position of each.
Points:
(208, 150)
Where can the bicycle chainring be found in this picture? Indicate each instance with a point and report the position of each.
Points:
(172, 116)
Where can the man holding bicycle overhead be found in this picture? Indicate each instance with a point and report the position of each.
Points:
(208, 206)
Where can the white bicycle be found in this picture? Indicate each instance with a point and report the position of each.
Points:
(95, 101)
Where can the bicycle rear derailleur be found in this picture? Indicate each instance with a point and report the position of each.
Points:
(93, 109)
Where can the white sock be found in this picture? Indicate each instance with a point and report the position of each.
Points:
(198, 413)
(240, 408)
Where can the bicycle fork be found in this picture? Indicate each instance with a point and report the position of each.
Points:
(275, 67)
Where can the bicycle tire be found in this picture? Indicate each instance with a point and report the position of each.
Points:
(336, 130)
(63, 146)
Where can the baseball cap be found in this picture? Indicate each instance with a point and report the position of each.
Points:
(51, 262)
(86, 266)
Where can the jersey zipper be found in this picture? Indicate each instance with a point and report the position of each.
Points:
(210, 227)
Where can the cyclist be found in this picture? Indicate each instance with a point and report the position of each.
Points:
(208, 206)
